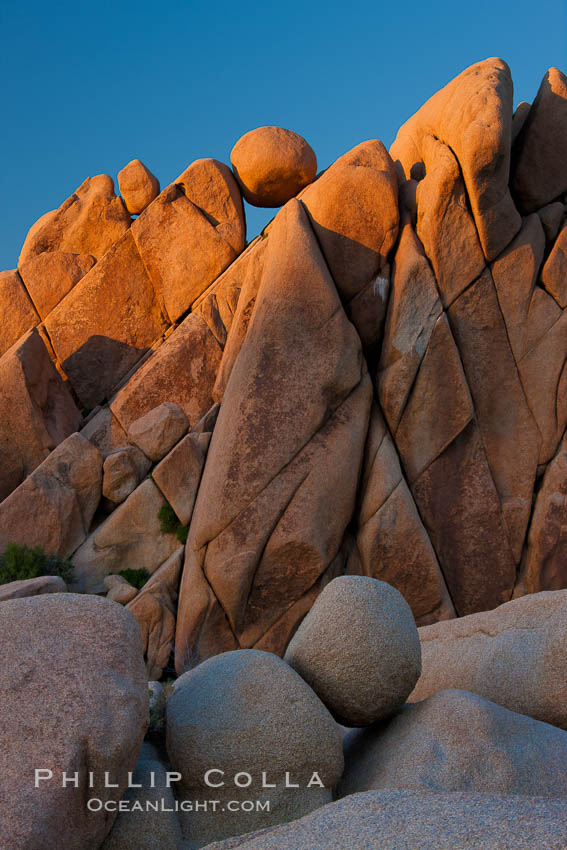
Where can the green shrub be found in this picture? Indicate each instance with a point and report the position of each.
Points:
(20, 562)
(137, 578)
(168, 521)
(170, 524)
(182, 533)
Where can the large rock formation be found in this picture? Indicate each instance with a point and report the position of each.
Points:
(387, 363)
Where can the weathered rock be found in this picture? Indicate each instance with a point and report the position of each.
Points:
(57, 686)
(158, 431)
(155, 608)
(272, 165)
(552, 217)
(149, 821)
(358, 648)
(37, 411)
(353, 208)
(537, 331)
(88, 222)
(18, 313)
(122, 592)
(106, 323)
(104, 431)
(129, 538)
(191, 233)
(413, 310)
(179, 473)
(49, 276)
(554, 272)
(248, 711)
(519, 119)
(472, 116)
(298, 387)
(539, 174)
(403, 820)
(508, 429)
(123, 471)
(496, 652)
(210, 185)
(391, 541)
(182, 370)
(53, 508)
(444, 224)
(457, 741)
(138, 186)
(32, 587)
(545, 565)
(460, 508)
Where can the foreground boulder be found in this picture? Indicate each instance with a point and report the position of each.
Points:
(272, 165)
(457, 741)
(510, 655)
(244, 726)
(404, 820)
(359, 650)
(149, 821)
(73, 698)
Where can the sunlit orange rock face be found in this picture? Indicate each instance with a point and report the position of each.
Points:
(375, 386)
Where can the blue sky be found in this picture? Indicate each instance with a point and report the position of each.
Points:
(88, 86)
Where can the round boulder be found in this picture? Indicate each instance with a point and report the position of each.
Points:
(272, 165)
(138, 186)
(243, 726)
(359, 650)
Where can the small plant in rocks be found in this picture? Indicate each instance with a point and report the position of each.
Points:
(19, 562)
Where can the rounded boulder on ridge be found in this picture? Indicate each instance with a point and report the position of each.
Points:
(359, 650)
(272, 165)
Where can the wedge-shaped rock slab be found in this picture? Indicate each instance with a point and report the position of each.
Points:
(540, 171)
(353, 208)
(18, 313)
(494, 653)
(191, 233)
(106, 323)
(155, 608)
(182, 370)
(129, 539)
(391, 541)
(53, 508)
(472, 116)
(284, 459)
(37, 411)
(546, 560)
(49, 276)
(74, 699)
(88, 222)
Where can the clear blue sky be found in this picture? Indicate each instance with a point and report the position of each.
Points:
(88, 86)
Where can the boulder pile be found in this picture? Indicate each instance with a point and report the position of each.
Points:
(324, 471)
